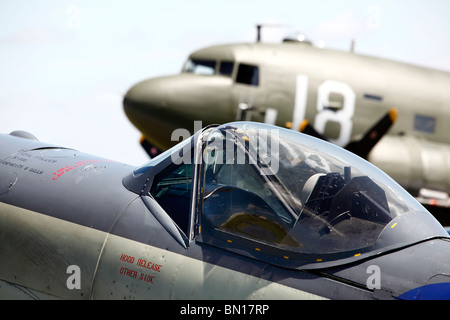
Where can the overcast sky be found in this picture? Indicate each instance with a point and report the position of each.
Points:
(65, 65)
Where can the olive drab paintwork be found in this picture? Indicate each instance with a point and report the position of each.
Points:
(213, 218)
(341, 94)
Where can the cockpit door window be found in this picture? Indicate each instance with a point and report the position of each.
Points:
(248, 74)
(226, 68)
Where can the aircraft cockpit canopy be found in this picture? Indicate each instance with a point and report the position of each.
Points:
(283, 197)
(309, 199)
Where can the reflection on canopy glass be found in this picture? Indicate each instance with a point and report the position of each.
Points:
(311, 201)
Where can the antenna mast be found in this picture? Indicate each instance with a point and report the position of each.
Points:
(260, 26)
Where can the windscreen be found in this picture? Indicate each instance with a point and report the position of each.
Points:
(200, 66)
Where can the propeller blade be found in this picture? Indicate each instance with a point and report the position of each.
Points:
(308, 129)
(151, 150)
(363, 146)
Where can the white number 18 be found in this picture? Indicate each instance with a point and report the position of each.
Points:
(343, 116)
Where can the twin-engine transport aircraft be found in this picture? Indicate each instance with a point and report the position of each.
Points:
(342, 95)
(238, 211)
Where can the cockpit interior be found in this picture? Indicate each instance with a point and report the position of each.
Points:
(280, 196)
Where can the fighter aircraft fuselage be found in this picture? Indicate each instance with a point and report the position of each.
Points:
(341, 94)
(78, 226)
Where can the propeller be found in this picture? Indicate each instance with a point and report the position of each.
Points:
(151, 150)
(363, 146)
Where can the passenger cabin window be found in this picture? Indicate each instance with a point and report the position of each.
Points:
(199, 66)
(172, 190)
(424, 124)
(248, 74)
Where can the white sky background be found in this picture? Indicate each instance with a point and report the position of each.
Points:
(65, 65)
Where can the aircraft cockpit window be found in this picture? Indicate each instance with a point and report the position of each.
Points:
(199, 66)
(226, 68)
(283, 192)
(248, 74)
(172, 190)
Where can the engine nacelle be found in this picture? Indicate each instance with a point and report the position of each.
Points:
(415, 163)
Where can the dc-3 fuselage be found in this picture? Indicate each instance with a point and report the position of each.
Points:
(340, 94)
(237, 211)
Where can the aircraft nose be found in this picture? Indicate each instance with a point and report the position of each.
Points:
(161, 105)
(146, 96)
(147, 107)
